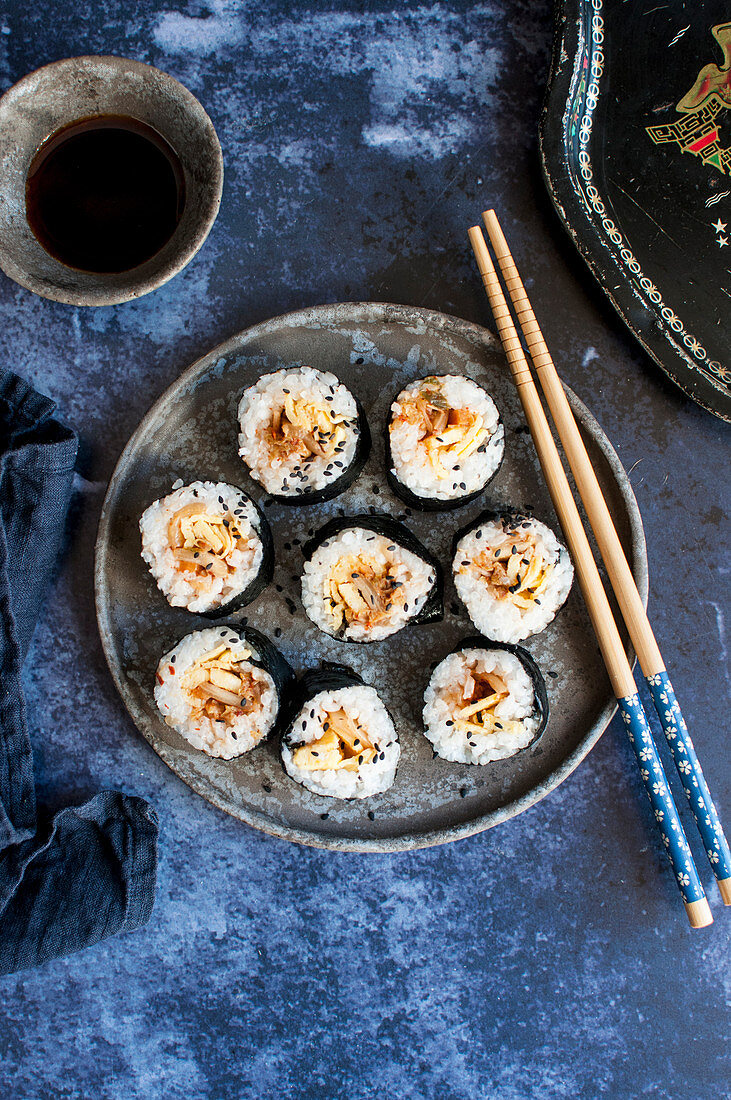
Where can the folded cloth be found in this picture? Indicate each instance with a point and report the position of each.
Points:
(89, 871)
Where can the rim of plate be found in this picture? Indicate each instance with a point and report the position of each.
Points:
(386, 313)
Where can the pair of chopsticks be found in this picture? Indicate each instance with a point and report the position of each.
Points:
(622, 581)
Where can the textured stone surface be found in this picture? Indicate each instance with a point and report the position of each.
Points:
(547, 958)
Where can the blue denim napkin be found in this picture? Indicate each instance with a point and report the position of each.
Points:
(89, 871)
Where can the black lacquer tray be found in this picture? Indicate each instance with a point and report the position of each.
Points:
(636, 150)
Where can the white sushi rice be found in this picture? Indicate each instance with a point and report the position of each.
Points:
(364, 706)
(224, 740)
(495, 616)
(451, 683)
(415, 577)
(209, 592)
(462, 476)
(294, 477)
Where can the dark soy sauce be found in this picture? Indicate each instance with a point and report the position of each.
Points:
(104, 194)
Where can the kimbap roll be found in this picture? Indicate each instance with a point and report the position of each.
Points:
(365, 577)
(445, 441)
(223, 689)
(484, 702)
(512, 574)
(342, 742)
(208, 546)
(302, 434)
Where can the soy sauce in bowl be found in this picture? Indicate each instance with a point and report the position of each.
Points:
(104, 194)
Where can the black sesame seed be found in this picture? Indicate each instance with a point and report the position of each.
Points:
(277, 632)
(324, 816)
(553, 675)
(279, 588)
(371, 815)
(462, 792)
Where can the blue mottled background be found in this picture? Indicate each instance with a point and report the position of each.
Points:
(548, 958)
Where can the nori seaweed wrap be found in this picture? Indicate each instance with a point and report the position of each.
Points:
(209, 548)
(444, 442)
(302, 434)
(224, 689)
(341, 741)
(485, 701)
(367, 576)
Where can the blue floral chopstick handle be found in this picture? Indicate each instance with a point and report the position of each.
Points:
(656, 786)
(691, 775)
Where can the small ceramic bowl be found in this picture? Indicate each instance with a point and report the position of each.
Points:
(76, 88)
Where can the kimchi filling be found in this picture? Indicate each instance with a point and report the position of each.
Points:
(476, 701)
(203, 542)
(221, 686)
(302, 428)
(343, 746)
(363, 591)
(447, 435)
(516, 568)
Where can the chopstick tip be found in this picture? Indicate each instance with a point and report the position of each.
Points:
(724, 885)
(699, 913)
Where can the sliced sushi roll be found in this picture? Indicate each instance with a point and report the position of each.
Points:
(365, 577)
(342, 742)
(223, 689)
(484, 702)
(208, 547)
(302, 435)
(444, 442)
(512, 574)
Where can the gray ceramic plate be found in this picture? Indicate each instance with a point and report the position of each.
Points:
(191, 433)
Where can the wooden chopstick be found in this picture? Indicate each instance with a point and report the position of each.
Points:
(605, 628)
(620, 575)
